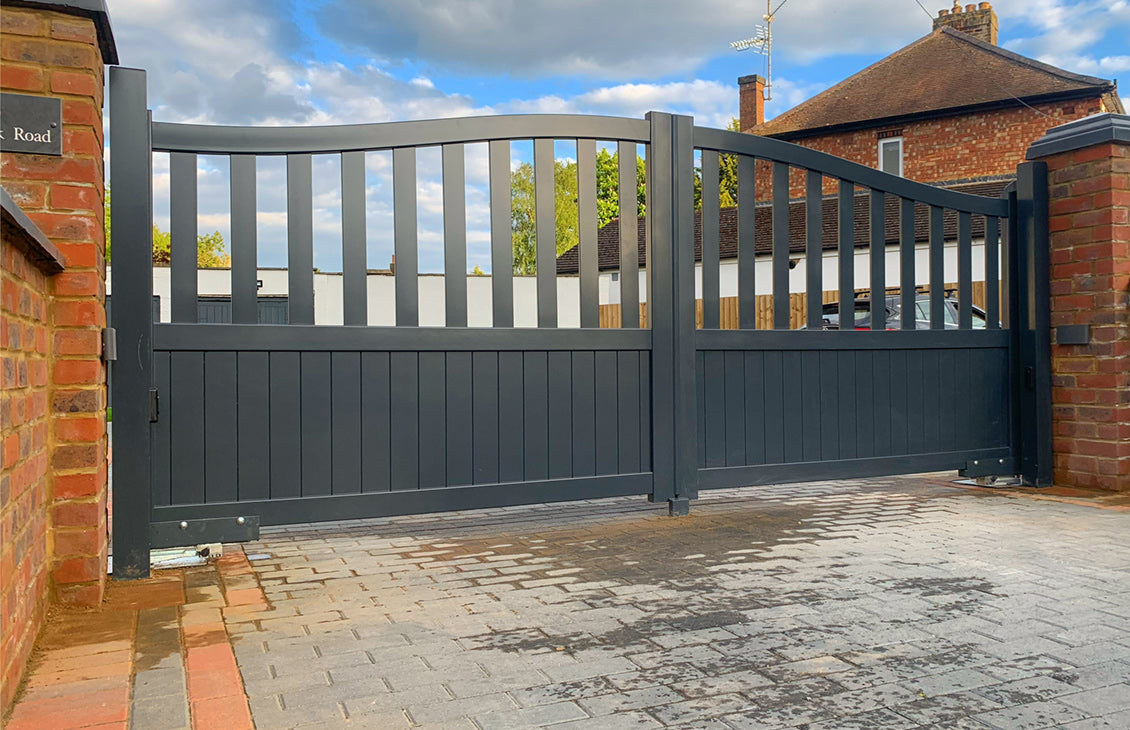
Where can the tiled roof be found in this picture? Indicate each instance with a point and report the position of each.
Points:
(608, 238)
(947, 69)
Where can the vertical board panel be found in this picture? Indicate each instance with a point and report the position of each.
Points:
(586, 233)
(628, 392)
(645, 412)
(354, 261)
(916, 407)
(710, 243)
(404, 221)
(546, 231)
(511, 452)
(864, 404)
(317, 439)
(376, 409)
(560, 415)
(484, 410)
(286, 420)
(747, 253)
(221, 436)
(300, 238)
(345, 389)
(501, 240)
(937, 268)
(404, 414)
(930, 395)
(455, 235)
(735, 407)
(992, 272)
(899, 400)
(846, 254)
(187, 427)
(947, 385)
(629, 236)
(878, 254)
(829, 406)
(182, 235)
(774, 399)
(963, 413)
(881, 392)
(814, 247)
(792, 387)
(254, 411)
(906, 263)
(755, 408)
(810, 398)
(432, 446)
(584, 414)
(846, 388)
(460, 427)
(607, 407)
(535, 399)
(700, 406)
(714, 373)
(159, 467)
(964, 271)
(780, 246)
(244, 307)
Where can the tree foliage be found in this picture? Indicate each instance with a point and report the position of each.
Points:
(211, 250)
(727, 177)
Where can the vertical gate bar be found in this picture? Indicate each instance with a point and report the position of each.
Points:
(404, 236)
(937, 269)
(455, 235)
(992, 272)
(1034, 299)
(710, 264)
(747, 245)
(780, 246)
(964, 270)
(906, 263)
(670, 185)
(131, 210)
(878, 254)
(586, 234)
(814, 248)
(300, 238)
(244, 291)
(847, 254)
(501, 241)
(182, 235)
(546, 227)
(629, 237)
(354, 262)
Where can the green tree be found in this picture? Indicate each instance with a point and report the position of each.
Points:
(608, 186)
(210, 247)
(727, 177)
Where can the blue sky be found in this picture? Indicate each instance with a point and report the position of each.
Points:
(349, 61)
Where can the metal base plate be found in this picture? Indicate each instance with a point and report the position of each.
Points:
(201, 531)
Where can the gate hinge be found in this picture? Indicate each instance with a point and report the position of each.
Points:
(109, 344)
(154, 405)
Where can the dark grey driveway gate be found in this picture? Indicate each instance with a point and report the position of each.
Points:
(221, 427)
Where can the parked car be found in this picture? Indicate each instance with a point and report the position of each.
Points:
(831, 314)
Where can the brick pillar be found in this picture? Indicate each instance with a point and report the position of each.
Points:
(1089, 186)
(751, 102)
(58, 50)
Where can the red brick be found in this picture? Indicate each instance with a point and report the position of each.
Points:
(70, 486)
(68, 226)
(80, 313)
(78, 570)
(75, 82)
(22, 22)
(21, 78)
(77, 284)
(80, 255)
(77, 342)
(77, 456)
(77, 514)
(74, 29)
(79, 542)
(78, 372)
(76, 197)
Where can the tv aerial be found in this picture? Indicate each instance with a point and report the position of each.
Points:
(762, 43)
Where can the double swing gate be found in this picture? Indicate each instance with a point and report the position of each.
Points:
(223, 427)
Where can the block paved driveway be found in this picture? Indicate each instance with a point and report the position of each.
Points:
(883, 603)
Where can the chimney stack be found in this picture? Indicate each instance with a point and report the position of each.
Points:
(751, 102)
(979, 21)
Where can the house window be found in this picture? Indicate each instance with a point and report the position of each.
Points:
(890, 155)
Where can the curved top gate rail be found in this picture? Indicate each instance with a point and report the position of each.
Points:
(219, 139)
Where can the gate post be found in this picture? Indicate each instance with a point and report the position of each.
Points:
(671, 302)
(131, 214)
(1031, 320)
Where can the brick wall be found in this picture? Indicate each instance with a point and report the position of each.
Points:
(58, 449)
(24, 486)
(950, 148)
(1090, 259)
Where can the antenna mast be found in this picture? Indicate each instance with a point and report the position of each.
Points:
(763, 44)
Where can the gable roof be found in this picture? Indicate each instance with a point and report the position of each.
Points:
(945, 72)
(608, 237)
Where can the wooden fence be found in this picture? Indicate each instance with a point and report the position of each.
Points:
(798, 309)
